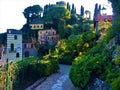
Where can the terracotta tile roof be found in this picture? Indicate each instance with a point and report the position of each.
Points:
(107, 17)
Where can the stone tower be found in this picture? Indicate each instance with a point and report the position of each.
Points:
(14, 44)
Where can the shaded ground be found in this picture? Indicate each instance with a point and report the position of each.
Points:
(57, 81)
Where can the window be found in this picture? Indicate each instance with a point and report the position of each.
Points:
(38, 26)
(31, 27)
(15, 37)
(40, 32)
(31, 45)
(41, 26)
(53, 33)
(34, 26)
(17, 55)
(52, 38)
(48, 38)
(12, 47)
(25, 46)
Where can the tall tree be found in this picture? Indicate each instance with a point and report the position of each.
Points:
(3, 38)
(99, 10)
(95, 14)
(61, 28)
(116, 15)
(45, 10)
(68, 7)
(73, 10)
(32, 12)
(61, 3)
(55, 13)
(115, 6)
(96, 10)
(82, 11)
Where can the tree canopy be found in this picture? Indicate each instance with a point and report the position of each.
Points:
(32, 12)
(56, 12)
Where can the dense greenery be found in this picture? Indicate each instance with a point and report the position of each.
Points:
(23, 73)
(3, 38)
(90, 56)
(67, 49)
(98, 61)
(32, 12)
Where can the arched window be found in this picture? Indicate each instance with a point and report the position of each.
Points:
(17, 55)
(38, 26)
(53, 33)
(12, 47)
(41, 26)
(15, 37)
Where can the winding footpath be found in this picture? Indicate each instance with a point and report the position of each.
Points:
(57, 81)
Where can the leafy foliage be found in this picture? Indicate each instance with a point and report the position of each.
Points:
(68, 49)
(32, 12)
(87, 67)
(29, 70)
(3, 38)
(56, 12)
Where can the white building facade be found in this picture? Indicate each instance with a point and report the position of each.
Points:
(14, 44)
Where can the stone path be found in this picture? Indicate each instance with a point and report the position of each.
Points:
(58, 81)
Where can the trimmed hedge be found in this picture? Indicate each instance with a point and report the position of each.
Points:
(28, 70)
(85, 68)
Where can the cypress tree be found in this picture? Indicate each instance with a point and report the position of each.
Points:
(82, 11)
(68, 7)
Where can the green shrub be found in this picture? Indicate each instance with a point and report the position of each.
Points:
(86, 68)
(50, 66)
(30, 69)
(67, 59)
(116, 84)
(79, 76)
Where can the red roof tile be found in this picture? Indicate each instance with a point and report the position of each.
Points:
(107, 17)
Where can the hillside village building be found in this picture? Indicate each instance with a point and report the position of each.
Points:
(45, 35)
(17, 48)
(102, 22)
(48, 36)
(29, 48)
(14, 44)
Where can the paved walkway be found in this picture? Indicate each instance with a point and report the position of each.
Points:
(58, 81)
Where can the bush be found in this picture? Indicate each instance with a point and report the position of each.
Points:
(86, 68)
(50, 66)
(79, 75)
(21, 72)
(116, 84)
(67, 59)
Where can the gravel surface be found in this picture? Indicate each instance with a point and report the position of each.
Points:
(57, 81)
